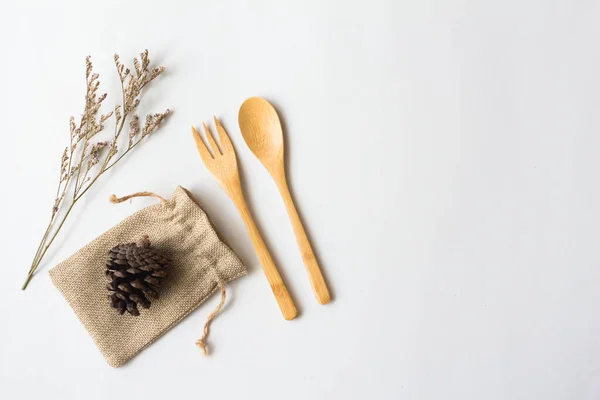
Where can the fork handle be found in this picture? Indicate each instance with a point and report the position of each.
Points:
(284, 300)
(315, 276)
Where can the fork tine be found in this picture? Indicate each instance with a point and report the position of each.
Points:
(226, 145)
(211, 141)
(204, 153)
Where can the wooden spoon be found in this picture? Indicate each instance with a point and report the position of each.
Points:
(262, 132)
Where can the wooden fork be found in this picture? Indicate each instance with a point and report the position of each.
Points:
(222, 164)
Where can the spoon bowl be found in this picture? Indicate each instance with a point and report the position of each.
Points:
(261, 129)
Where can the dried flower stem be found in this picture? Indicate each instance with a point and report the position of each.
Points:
(89, 156)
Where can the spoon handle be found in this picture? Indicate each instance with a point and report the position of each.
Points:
(284, 300)
(308, 256)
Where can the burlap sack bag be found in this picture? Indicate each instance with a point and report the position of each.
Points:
(200, 265)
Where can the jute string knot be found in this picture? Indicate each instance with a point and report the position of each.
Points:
(201, 343)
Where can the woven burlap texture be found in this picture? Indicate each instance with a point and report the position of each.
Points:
(179, 229)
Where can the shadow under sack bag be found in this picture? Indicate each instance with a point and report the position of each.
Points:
(200, 264)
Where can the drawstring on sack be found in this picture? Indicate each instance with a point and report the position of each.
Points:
(201, 343)
(115, 200)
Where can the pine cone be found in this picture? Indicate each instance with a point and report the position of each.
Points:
(134, 272)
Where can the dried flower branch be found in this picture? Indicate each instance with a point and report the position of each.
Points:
(83, 162)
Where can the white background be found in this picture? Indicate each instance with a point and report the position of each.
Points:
(443, 154)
